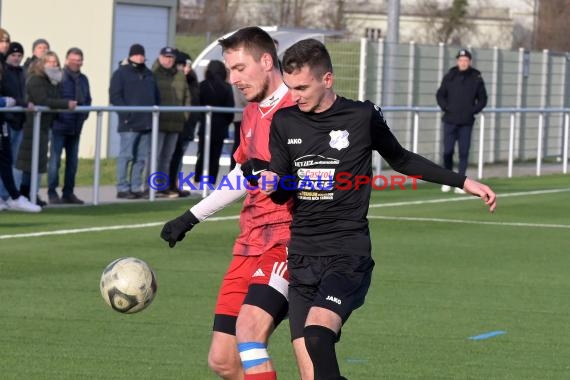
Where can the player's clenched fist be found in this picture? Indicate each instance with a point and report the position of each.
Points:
(175, 230)
(269, 182)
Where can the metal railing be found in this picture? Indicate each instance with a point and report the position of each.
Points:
(99, 110)
(513, 113)
(415, 111)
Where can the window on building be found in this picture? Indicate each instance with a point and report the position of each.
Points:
(373, 33)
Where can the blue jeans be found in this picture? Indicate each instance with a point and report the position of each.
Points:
(26, 183)
(134, 149)
(461, 134)
(165, 146)
(16, 135)
(71, 145)
(15, 141)
(176, 161)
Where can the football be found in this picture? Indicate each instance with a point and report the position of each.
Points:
(128, 285)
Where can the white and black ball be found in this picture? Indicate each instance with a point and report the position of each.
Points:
(128, 285)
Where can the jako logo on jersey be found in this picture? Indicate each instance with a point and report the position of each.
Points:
(294, 141)
(334, 299)
(339, 139)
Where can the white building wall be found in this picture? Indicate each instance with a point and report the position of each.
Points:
(62, 24)
(485, 32)
(87, 24)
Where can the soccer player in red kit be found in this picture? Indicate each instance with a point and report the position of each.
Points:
(253, 298)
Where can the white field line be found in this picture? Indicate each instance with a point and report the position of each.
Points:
(217, 219)
(468, 197)
(441, 220)
(105, 228)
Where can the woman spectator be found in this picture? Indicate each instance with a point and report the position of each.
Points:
(41, 90)
(214, 91)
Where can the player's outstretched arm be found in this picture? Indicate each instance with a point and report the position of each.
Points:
(482, 191)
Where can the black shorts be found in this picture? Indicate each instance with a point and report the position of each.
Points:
(262, 296)
(337, 283)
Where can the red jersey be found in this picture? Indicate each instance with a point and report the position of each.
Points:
(264, 224)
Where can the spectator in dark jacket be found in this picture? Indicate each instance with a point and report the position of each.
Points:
(461, 96)
(12, 199)
(133, 84)
(42, 90)
(66, 130)
(184, 65)
(214, 91)
(14, 86)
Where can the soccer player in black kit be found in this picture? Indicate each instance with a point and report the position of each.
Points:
(329, 254)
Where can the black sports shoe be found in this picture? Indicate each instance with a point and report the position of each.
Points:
(141, 194)
(53, 199)
(40, 202)
(127, 195)
(183, 193)
(71, 199)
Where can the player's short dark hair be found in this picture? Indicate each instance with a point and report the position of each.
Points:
(254, 40)
(309, 52)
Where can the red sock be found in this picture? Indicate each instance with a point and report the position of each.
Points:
(261, 376)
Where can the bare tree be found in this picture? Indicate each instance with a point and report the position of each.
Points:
(297, 13)
(284, 12)
(445, 24)
(553, 28)
(454, 19)
(524, 33)
(220, 16)
(217, 16)
(334, 16)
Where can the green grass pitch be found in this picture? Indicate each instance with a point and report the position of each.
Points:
(445, 271)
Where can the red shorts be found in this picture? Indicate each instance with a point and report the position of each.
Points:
(268, 269)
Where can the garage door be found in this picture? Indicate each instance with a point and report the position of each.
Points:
(146, 25)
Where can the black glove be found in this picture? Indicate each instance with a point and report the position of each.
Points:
(284, 192)
(252, 170)
(175, 230)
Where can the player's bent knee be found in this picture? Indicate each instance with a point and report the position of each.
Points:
(222, 364)
(223, 357)
(253, 354)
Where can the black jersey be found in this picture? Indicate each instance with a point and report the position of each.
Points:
(324, 153)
